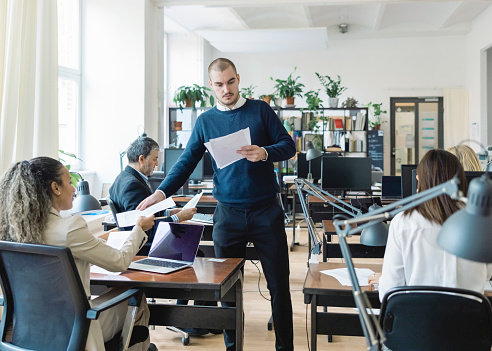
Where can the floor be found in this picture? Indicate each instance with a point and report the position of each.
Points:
(257, 313)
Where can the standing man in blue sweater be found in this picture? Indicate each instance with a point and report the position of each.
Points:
(246, 191)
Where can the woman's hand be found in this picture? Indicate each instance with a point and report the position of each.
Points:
(374, 280)
(145, 222)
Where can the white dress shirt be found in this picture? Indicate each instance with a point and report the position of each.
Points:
(413, 257)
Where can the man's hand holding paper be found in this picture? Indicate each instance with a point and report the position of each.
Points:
(129, 218)
(224, 149)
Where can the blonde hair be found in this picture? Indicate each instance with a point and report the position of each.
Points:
(467, 157)
(25, 195)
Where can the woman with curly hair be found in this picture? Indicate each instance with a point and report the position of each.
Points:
(32, 194)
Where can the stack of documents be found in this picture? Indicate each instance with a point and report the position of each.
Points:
(223, 149)
(342, 275)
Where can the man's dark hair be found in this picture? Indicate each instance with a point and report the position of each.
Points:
(221, 64)
(141, 146)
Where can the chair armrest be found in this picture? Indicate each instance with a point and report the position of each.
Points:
(134, 294)
(1, 300)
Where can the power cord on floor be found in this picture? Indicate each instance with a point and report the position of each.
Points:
(259, 279)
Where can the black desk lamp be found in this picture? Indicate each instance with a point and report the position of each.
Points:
(311, 154)
(84, 201)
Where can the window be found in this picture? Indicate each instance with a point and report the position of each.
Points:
(68, 76)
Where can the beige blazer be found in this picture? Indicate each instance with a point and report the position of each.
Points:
(72, 232)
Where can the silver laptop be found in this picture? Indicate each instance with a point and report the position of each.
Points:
(174, 247)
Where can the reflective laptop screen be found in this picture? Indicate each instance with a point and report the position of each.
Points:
(176, 241)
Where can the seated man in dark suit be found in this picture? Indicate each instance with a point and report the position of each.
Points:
(132, 185)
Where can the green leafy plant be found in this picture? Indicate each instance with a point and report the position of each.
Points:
(193, 93)
(332, 87)
(248, 92)
(265, 96)
(376, 113)
(289, 87)
(74, 176)
(350, 103)
(313, 101)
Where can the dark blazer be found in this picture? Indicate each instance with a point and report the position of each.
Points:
(128, 190)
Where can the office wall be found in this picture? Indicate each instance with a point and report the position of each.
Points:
(372, 69)
(113, 83)
(478, 41)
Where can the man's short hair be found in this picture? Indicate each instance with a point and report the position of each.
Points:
(141, 146)
(221, 64)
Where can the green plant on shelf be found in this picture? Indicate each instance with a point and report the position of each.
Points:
(332, 87)
(248, 92)
(289, 87)
(189, 95)
(375, 120)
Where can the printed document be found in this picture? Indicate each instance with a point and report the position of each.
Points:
(194, 201)
(115, 240)
(129, 218)
(223, 149)
(342, 275)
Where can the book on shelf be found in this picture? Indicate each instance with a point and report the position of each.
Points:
(338, 123)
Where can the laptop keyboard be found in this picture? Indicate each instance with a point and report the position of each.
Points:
(159, 263)
(201, 217)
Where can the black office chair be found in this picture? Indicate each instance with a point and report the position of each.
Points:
(436, 318)
(45, 305)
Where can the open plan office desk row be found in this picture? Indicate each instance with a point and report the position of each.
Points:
(205, 280)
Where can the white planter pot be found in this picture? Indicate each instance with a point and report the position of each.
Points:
(277, 102)
(333, 102)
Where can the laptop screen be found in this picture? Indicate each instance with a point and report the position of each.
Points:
(176, 241)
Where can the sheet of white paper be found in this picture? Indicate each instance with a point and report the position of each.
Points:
(342, 275)
(116, 240)
(194, 201)
(223, 149)
(129, 218)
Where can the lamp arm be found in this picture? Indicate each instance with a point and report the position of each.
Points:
(313, 234)
(449, 188)
(370, 325)
(324, 195)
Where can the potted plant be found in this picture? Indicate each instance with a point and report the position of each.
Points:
(375, 121)
(333, 88)
(267, 98)
(189, 95)
(248, 92)
(350, 103)
(289, 88)
(74, 176)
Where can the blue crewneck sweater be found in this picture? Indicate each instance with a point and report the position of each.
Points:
(243, 183)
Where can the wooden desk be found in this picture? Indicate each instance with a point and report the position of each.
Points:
(206, 280)
(332, 250)
(323, 290)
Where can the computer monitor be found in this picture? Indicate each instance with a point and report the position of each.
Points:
(470, 175)
(172, 155)
(346, 173)
(303, 167)
(391, 188)
(407, 180)
(208, 169)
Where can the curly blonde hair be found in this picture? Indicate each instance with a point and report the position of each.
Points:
(467, 157)
(25, 195)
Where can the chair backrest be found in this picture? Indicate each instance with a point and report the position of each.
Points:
(436, 318)
(112, 207)
(44, 299)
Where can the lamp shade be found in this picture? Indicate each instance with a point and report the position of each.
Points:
(312, 152)
(376, 234)
(468, 232)
(84, 201)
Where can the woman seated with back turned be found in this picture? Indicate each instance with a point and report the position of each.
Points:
(467, 156)
(32, 194)
(412, 255)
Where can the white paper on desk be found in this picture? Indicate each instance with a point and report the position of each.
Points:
(342, 275)
(115, 240)
(194, 201)
(223, 149)
(129, 218)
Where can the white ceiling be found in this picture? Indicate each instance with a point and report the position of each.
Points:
(276, 25)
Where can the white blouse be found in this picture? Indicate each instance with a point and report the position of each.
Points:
(413, 257)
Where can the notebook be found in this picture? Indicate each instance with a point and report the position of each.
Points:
(174, 247)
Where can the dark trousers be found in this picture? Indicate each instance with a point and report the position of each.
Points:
(263, 226)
